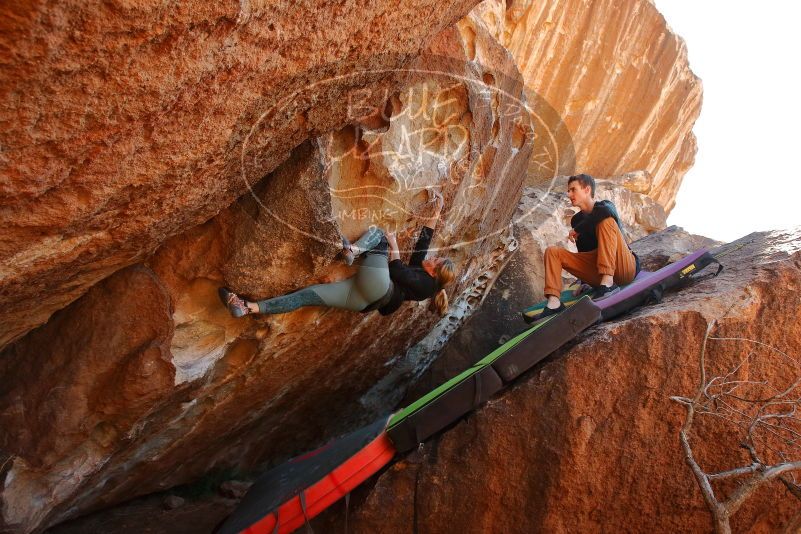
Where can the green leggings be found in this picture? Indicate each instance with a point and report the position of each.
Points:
(368, 285)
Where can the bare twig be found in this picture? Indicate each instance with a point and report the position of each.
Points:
(735, 472)
(792, 487)
(771, 347)
(747, 488)
(768, 417)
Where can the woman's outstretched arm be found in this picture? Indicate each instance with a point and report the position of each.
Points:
(439, 202)
(394, 253)
(426, 233)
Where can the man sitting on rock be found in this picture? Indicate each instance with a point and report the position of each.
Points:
(604, 259)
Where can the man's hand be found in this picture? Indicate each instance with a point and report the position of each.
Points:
(572, 236)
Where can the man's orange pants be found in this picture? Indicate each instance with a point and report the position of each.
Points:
(611, 257)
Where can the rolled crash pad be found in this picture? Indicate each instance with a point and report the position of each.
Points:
(284, 498)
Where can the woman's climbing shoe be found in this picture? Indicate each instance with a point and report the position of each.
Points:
(235, 305)
(347, 252)
(547, 312)
(601, 292)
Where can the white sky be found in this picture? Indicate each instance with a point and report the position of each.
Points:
(746, 174)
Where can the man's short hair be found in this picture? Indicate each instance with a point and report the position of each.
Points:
(585, 180)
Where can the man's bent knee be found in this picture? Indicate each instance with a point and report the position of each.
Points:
(609, 224)
(553, 250)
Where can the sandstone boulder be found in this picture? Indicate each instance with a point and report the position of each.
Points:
(127, 123)
(147, 382)
(609, 84)
(588, 441)
(133, 129)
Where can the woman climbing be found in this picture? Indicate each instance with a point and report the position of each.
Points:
(382, 282)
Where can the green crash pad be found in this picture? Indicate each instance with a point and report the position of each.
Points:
(471, 388)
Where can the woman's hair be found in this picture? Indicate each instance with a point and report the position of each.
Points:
(439, 304)
(445, 274)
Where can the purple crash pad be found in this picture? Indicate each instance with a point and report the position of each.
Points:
(637, 291)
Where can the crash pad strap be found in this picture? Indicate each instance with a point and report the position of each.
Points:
(347, 510)
(708, 258)
(302, 498)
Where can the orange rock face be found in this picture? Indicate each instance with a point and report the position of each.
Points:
(125, 124)
(68, 413)
(588, 441)
(150, 155)
(147, 382)
(612, 84)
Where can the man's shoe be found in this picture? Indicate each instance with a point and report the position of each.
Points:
(601, 292)
(547, 312)
(235, 305)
